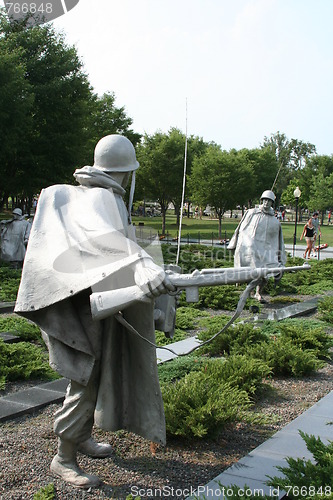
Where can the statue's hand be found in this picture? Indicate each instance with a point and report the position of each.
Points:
(152, 279)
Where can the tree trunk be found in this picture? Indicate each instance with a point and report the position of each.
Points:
(220, 224)
(163, 211)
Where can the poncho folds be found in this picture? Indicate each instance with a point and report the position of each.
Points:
(258, 240)
(81, 237)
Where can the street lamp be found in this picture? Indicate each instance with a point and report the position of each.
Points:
(297, 194)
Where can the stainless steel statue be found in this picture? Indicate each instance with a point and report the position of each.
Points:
(82, 240)
(14, 238)
(258, 239)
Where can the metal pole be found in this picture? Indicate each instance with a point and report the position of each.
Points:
(295, 227)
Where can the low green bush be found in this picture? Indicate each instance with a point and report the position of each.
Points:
(9, 282)
(306, 479)
(163, 340)
(325, 309)
(241, 371)
(187, 317)
(201, 395)
(235, 339)
(285, 358)
(309, 282)
(199, 405)
(23, 328)
(177, 368)
(308, 335)
(316, 288)
(23, 361)
(46, 493)
(219, 297)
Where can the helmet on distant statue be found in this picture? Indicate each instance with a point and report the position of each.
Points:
(17, 211)
(115, 153)
(268, 195)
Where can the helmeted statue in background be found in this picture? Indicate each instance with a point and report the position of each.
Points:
(14, 238)
(81, 241)
(258, 239)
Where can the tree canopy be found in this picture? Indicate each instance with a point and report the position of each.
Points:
(50, 116)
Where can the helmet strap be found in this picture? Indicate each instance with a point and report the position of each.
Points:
(131, 196)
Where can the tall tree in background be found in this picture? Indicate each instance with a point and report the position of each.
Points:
(62, 119)
(160, 176)
(291, 157)
(16, 102)
(264, 169)
(106, 118)
(221, 179)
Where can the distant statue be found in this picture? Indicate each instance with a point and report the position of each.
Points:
(82, 240)
(14, 238)
(258, 239)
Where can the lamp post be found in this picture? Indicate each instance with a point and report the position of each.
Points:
(297, 194)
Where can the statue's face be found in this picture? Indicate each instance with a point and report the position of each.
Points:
(121, 178)
(266, 204)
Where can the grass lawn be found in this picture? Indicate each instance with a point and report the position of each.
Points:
(208, 229)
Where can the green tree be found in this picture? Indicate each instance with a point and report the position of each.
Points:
(106, 118)
(67, 118)
(264, 169)
(160, 176)
(62, 95)
(220, 179)
(16, 101)
(291, 157)
(321, 194)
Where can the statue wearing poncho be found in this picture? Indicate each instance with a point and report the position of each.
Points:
(82, 240)
(258, 239)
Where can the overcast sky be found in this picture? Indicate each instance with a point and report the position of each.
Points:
(246, 68)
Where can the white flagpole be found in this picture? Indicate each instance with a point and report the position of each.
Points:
(183, 193)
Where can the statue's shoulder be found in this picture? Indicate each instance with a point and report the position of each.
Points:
(61, 193)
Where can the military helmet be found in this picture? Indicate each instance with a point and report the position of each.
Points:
(115, 153)
(17, 211)
(268, 195)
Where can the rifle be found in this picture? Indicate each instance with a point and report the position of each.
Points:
(104, 304)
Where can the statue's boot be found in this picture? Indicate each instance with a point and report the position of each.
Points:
(65, 466)
(95, 450)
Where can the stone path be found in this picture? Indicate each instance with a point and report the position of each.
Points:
(252, 471)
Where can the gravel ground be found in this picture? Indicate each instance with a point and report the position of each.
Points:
(28, 444)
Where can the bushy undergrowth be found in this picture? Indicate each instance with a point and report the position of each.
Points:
(199, 405)
(163, 340)
(9, 282)
(201, 395)
(308, 335)
(285, 358)
(235, 339)
(325, 309)
(46, 493)
(21, 327)
(310, 282)
(23, 361)
(186, 319)
(177, 368)
(290, 347)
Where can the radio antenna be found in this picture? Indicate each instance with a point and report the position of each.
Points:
(183, 193)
